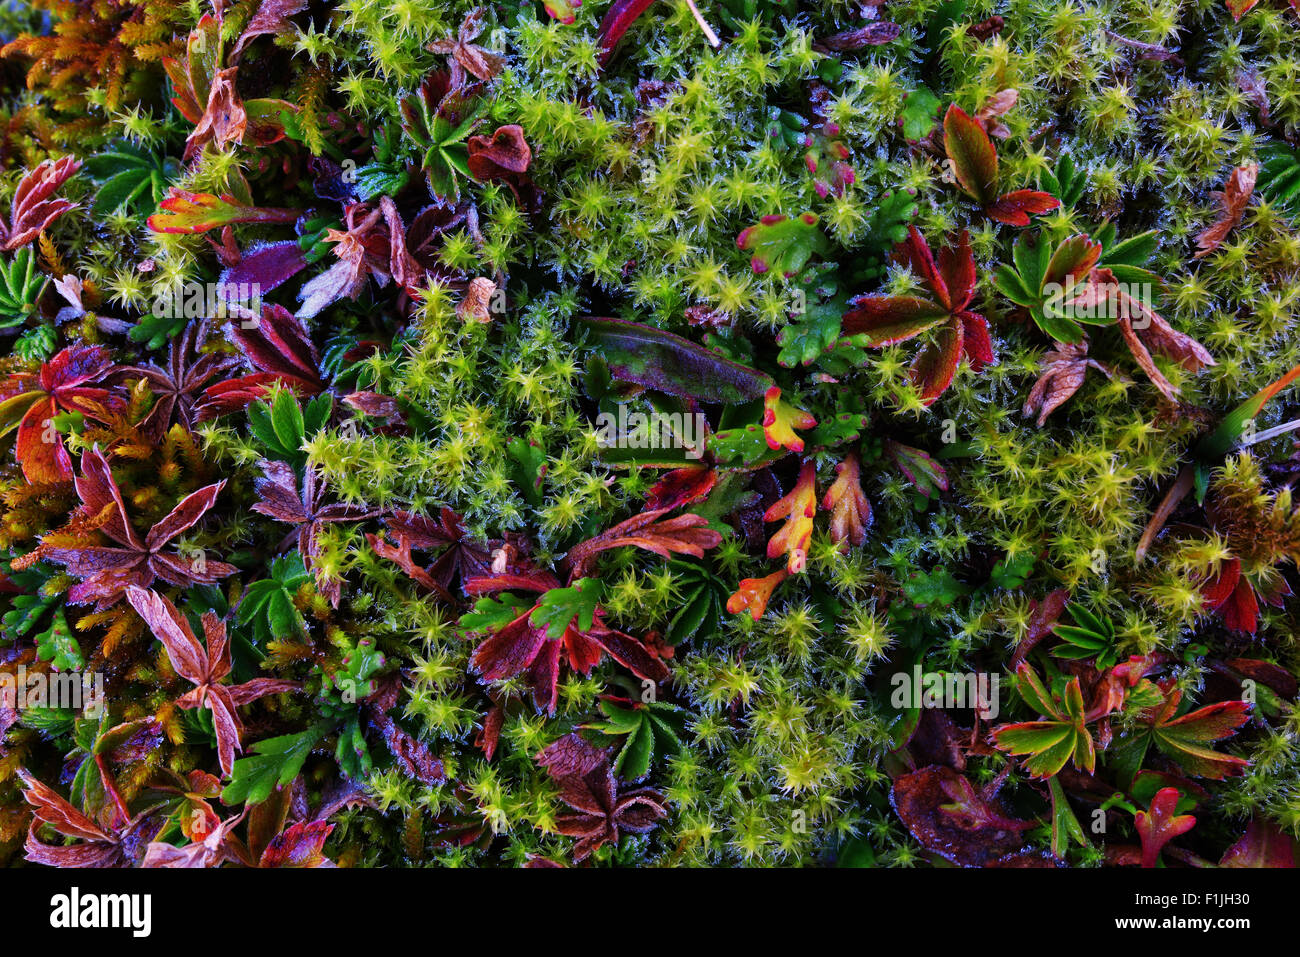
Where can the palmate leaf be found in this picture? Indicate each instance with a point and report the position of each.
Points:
(21, 283)
(974, 162)
(493, 614)
(1279, 177)
(1049, 744)
(129, 176)
(57, 645)
(834, 431)
(1127, 258)
(282, 425)
(1089, 637)
(703, 598)
(648, 729)
(1187, 740)
(815, 328)
(274, 761)
(742, 447)
(783, 243)
(1065, 182)
(560, 607)
(268, 604)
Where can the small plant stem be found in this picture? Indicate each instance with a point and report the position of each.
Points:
(708, 30)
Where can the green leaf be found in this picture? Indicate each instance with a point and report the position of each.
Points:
(807, 336)
(57, 645)
(670, 364)
(1217, 443)
(529, 465)
(26, 611)
(287, 421)
(920, 113)
(1279, 177)
(316, 413)
(1134, 251)
(1031, 253)
(1012, 572)
(856, 853)
(938, 587)
(558, 607)
(633, 760)
(20, 286)
(1010, 284)
(834, 431)
(783, 244)
(1065, 826)
(696, 608)
(493, 614)
(275, 761)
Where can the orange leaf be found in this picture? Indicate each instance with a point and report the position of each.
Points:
(753, 594)
(780, 421)
(185, 212)
(850, 510)
(798, 509)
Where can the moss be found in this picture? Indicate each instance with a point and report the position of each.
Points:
(648, 196)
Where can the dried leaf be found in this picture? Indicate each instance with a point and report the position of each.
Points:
(1233, 200)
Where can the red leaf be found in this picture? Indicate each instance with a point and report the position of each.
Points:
(936, 364)
(753, 594)
(299, 845)
(33, 209)
(957, 266)
(1263, 845)
(1239, 8)
(681, 487)
(849, 508)
(974, 160)
(1062, 372)
(797, 508)
(272, 17)
(1016, 207)
(948, 816)
(1160, 825)
(684, 535)
(621, 15)
(780, 421)
(885, 320)
(504, 158)
(977, 344)
(570, 756)
(915, 253)
(185, 212)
